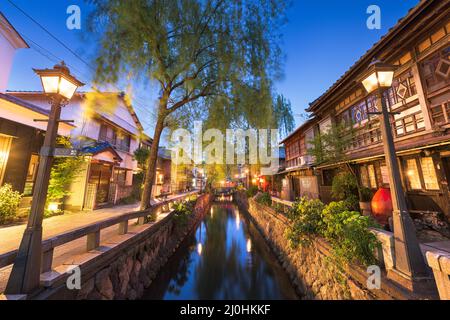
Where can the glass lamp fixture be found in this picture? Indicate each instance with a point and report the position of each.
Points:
(58, 81)
(379, 75)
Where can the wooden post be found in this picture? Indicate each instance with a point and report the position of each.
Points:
(123, 227)
(47, 260)
(93, 240)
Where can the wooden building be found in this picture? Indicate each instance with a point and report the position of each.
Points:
(299, 179)
(419, 45)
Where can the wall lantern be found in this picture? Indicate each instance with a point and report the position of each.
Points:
(58, 81)
(379, 75)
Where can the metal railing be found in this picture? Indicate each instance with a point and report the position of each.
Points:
(92, 232)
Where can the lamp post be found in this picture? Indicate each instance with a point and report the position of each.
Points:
(59, 85)
(409, 266)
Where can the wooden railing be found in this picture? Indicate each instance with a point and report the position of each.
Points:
(285, 205)
(92, 232)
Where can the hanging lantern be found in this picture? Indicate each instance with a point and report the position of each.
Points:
(382, 206)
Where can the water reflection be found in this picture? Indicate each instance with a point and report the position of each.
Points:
(225, 258)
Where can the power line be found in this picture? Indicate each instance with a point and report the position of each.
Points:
(55, 59)
(48, 32)
(136, 97)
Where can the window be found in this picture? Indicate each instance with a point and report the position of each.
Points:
(435, 37)
(372, 176)
(440, 112)
(372, 103)
(121, 177)
(359, 112)
(107, 134)
(436, 70)
(412, 174)
(429, 173)
(5, 146)
(409, 123)
(384, 174)
(303, 150)
(123, 142)
(31, 175)
(402, 88)
(119, 140)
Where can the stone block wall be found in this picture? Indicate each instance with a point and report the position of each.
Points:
(313, 271)
(127, 270)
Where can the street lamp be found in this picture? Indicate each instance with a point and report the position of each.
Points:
(410, 269)
(59, 85)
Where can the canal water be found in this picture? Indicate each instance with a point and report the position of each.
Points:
(224, 258)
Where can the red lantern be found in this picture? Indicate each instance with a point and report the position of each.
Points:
(382, 206)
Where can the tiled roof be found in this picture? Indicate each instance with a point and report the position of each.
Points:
(164, 153)
(302, 126)
(100, 147)
(24, 103)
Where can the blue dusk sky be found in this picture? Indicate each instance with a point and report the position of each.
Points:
(322, 39)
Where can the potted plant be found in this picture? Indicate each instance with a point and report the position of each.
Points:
(365, 202)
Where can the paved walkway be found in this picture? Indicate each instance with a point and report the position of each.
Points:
(10, 237)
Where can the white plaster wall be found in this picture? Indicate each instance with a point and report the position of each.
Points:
(6, 60)
(85, 126)
(26, 116)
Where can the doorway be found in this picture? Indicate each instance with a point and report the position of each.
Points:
(100, 175)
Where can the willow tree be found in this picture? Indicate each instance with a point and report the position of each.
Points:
(222, 54)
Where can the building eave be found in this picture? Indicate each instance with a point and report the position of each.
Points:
(375, 52)
(11, 34)
(301, 127)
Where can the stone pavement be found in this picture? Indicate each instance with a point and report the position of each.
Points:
(11, 236)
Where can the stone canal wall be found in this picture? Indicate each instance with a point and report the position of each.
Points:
(311, 268)
(128, 269)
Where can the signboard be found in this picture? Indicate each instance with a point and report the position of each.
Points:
(63, 152)
(59, 152)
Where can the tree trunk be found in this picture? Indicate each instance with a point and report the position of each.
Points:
(358, 184)
(151, 164)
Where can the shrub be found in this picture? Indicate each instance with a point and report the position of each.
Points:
(347, 231)
(349, 235)
(345, 188)
(63, 173)
(9, 203)
(366, 195)
(306, 217)
(265, 199)
(252, 191)
(182, 212)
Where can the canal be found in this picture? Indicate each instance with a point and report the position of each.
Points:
(224, 258)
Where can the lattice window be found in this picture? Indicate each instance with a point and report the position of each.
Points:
(429, 173)
(359, 112)
(435, 70)
(412, 174)
(440, 113)
(402, 88)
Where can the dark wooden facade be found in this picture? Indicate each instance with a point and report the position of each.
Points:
(419, 45)
(26, 141)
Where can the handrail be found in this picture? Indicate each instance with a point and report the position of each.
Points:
(92, 231)
(283, 202)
